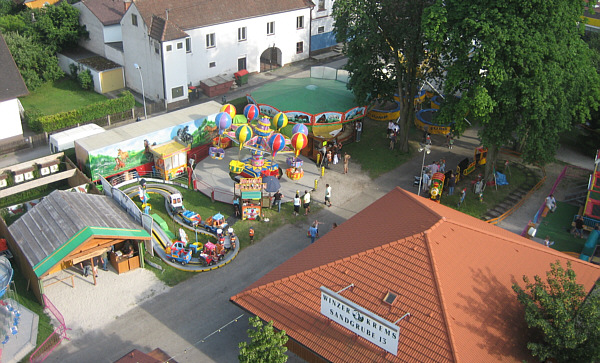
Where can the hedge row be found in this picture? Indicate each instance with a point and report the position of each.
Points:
(83, 115)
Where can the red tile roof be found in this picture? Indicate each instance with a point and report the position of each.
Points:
(109, 12)
(453, 273)
(192, 14)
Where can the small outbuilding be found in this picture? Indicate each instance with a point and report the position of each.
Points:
(66, 228)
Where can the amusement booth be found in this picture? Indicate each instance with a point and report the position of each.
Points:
(250, 191)
(170, 158)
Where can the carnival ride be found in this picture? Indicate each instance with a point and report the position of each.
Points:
(10, 315)
(165, 243)
(262, 139)
(464, 168)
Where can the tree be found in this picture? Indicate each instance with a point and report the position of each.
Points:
(564, 324)
(384, 45)
(267, 345)
(36, 62)
(521, 69)
(58, 26)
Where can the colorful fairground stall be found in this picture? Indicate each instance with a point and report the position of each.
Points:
(170, 158)
(250, 192)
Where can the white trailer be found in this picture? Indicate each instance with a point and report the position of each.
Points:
(66, 139)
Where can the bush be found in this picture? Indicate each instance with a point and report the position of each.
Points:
(85, 79)
(73, 69)
(32, 117)
(83, 115)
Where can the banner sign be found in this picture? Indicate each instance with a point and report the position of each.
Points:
(360, 321)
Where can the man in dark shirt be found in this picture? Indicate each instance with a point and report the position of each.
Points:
(579, 227)
(451, 183)
(277, 200)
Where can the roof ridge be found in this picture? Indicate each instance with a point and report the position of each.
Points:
(518, 241)
(440, 294)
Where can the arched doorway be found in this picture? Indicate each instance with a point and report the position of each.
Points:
(270, 59)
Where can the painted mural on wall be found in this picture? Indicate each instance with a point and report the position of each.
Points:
(328, 117)
(295, 117)
(134, 152)
(299, 117)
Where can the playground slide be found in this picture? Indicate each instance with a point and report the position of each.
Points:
(590, 246)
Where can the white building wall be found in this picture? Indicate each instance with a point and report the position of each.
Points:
(94, 27)
(146, 52)
(11, 120)
(112, 33)
(228, 49)
(114, 55)
(176, 75)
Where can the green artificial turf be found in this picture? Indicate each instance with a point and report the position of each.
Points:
(557, 225)
(60, 96)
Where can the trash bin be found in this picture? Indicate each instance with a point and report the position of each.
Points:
(241, 77)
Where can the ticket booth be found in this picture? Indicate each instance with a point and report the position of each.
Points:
(250, 191)
(170, 158)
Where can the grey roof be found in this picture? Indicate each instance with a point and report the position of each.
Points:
(11, 82)
(59, 216)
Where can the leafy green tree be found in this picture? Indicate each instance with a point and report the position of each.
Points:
(521, 69)
(13, 23)
(384, 45)
(267, 345)
(36, 62)
(58, 26)
(564, 324)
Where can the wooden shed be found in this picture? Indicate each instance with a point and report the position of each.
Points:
(66, 228)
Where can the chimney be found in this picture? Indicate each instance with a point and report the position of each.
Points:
(167, 13)
(127, 4)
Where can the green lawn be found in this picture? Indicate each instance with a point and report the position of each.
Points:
(62, 95)
(475, 207)
(373, 153)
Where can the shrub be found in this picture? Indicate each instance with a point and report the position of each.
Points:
(32, 118)
(73, 69)
(85, 79)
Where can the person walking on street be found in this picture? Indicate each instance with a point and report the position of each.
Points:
(328, 194)
(346, 161)
(451, 183)
(358, 128)
(313, 233)
(297, 203)
(277, 200)
(306, 201)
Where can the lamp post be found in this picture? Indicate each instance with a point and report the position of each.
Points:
(426, 149)
(143, 93)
